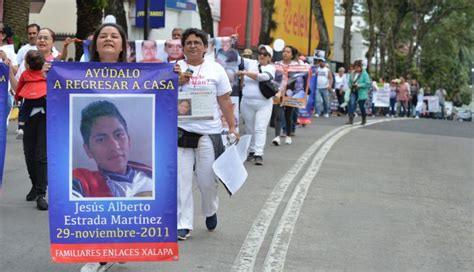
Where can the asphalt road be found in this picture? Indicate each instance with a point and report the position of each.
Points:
(395, 195)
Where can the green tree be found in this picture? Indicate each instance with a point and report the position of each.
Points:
(207, 24)
(116, 8)
(346, 40)
(268, 24)
(89, 17)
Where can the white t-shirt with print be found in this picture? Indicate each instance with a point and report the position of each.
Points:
(209, 76)
(323, 77)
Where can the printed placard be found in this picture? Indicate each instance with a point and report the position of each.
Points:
(297, 86)
(112, 162)
(196, 105)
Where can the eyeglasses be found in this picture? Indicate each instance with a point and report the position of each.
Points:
(44, 38)
(193, 43)
(265, 54)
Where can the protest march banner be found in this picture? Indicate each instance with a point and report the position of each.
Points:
(432, 102)
(4, 73)
(112, 162)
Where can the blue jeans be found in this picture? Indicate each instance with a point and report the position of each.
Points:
(325, 99)
(392, 105)
(353, 105)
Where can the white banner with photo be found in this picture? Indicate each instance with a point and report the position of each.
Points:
(433, 103)
(196, 105)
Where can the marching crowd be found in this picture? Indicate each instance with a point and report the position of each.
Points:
(200, 141)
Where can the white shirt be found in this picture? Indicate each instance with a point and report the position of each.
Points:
(208, 76)
(341, 82)
(251, 88)
(323, 77)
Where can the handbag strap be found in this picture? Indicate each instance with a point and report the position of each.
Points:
(260, 71)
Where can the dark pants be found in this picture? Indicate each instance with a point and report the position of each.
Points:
(277, 113)
(26, 108)
(34, 148)
(340, 100)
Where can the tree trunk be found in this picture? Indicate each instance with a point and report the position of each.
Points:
(346, 42)
(324, 43)
(372, 40)
(267, 9)
(206, 17)
(116, 8)
(89, 17)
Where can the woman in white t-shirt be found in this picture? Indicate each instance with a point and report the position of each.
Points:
(257, 109)
(198, 140)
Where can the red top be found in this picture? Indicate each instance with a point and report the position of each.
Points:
(32, 85)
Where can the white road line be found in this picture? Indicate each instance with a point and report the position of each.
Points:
(275, 259)
(245, 260)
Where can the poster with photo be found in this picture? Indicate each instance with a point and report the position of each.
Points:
(112, 162)
(196, 105)
(297, 86)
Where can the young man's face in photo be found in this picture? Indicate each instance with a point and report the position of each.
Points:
(109, 144)
(149, 50)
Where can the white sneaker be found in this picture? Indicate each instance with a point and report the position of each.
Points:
(326, 115)
(316, 115)
(417, 117)
(276, 140)
(288, 140)
(96, 267)
(19, 134)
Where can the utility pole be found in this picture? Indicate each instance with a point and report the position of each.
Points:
(146, 24)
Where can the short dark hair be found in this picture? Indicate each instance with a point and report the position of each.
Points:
(35, 60)
(198, 32)
(33, 25)
(95, 110)
(93, 47)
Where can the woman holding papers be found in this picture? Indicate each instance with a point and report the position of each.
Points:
(257, 109)
(200, 141)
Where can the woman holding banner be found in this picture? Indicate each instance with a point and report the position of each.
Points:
(200, 141)
(257, 109)
(290, 55)
(109, 44)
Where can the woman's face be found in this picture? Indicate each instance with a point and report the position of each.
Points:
(287, 54)
(263, 57)
(194, 48)
(183, 107)
(109, 44)
(44, 42)
(358, 68)
(299, 84)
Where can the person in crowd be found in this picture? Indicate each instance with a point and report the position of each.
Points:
(288, 58)
(32, 30)
(176, 33)
(31, 89)
(247, 53)
(441, 94)
(200, 141)
(359, 84)
(34, 138)
(402, 97)
(373, 95)
(256, 109)
(414, 88)
(324, 83)
(109, 44)
(341, 86)
(227, 54)
(419, 103)
(149, 51)
(393, 96)
(107, 141)
(174, 50)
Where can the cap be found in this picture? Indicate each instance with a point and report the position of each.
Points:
(247, 52)
(321, 58)
(267, 48)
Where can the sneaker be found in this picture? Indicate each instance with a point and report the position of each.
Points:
(251, 156)
(417, 117)
(288, 140)
(41, 203)
(19, 134)
(31, 195)
(326, 115)
(316, 115)
(258, 160)
(96, 267)
(183, 234)
(211, 222)
(276, 140)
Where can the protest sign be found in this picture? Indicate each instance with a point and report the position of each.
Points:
(382, 96)
(112, 162)
(296, 85)
(4, 73)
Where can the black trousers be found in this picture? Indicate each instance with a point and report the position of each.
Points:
(34, 148)
(277, 114)
(340, 100)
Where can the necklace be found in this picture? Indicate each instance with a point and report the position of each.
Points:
(197, 80)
